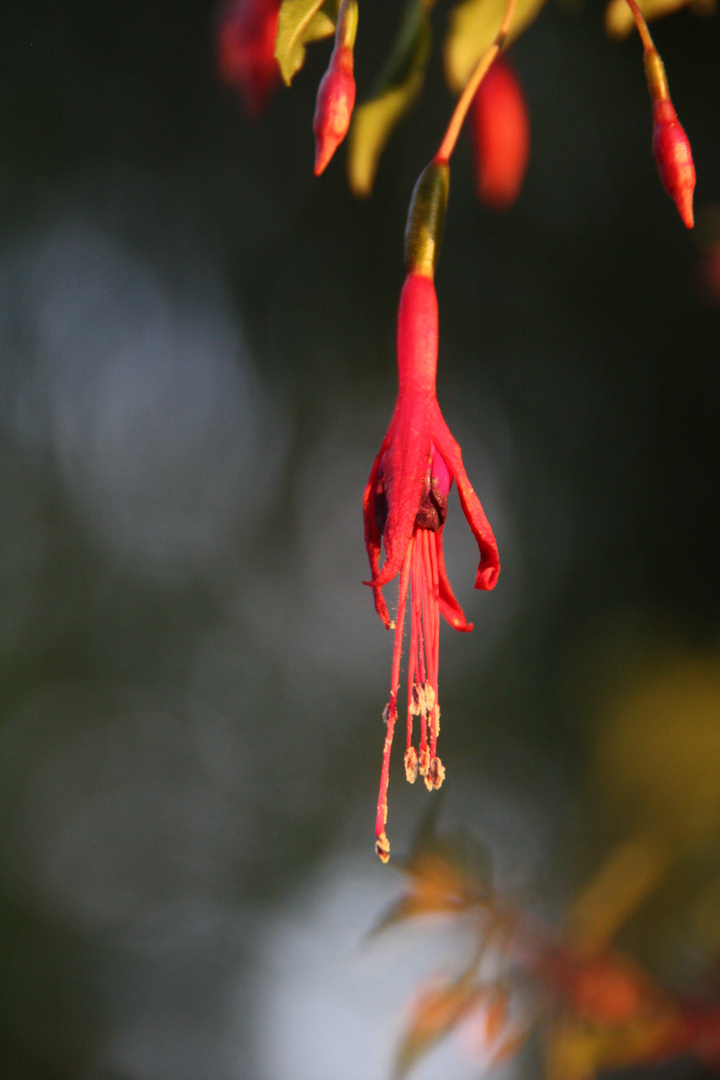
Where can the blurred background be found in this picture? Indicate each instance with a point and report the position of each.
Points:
(196, 371)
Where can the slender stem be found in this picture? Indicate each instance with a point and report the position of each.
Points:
(654, 67)
(346, 27)
(642, 26)
(464, 101)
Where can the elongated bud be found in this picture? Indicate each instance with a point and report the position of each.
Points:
(426, 218)
(501, 135)
(674, 159)
(670, 143)
(336, 92)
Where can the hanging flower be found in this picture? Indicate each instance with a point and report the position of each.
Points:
(246, 50)
(405, 505)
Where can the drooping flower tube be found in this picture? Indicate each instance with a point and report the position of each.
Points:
(405, 502)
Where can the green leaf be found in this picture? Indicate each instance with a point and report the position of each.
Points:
(301, 22)
(472, 30)
(396, 90)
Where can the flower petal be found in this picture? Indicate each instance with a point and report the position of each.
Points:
(404, 470)
(489, 567)
(373, 537)
(449, 607)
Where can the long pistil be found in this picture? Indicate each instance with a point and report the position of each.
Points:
(382, 844)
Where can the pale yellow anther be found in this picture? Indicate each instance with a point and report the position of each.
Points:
(423, 760)
(414, 707)
(435, 775)
(411, 765)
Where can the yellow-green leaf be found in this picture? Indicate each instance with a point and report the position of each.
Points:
(623, 882)
(301, 22)
(472, 30)
(619, 20)
(397, 89)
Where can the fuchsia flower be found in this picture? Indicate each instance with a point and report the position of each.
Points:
(246, 50)
(405, 505)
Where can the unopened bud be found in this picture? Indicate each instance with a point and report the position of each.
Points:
(426, 217)
(674, 158)
(336, 92)
(333, 110)
(501, 134)
(670, 143)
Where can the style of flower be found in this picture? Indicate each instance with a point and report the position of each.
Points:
(405, 506)
(246, 35)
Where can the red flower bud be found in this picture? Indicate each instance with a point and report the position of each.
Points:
(246, 50)
(333, 110)
(674, 158)
(501, 135)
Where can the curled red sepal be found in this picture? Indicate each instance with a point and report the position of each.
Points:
(501, 136)
(674, 158)
(404, 507)
(334, 106)
(246, 34)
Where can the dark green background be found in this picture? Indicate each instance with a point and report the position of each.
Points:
(190, 717)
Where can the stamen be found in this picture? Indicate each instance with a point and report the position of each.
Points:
(435, 774)
(411, 765)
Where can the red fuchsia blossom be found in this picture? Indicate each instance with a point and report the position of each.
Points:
(405, 506)
(336, 92)
(246, 35)
(500, 129)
